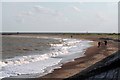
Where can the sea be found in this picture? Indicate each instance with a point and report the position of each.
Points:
(29, 56)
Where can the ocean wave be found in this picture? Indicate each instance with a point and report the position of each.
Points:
(38, 63)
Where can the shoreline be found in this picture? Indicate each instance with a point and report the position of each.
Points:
(19, 76)
(92, 55)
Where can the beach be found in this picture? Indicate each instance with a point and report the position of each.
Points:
(92, 55)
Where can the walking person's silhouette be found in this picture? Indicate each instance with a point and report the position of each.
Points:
(99, 43)
(105, 43)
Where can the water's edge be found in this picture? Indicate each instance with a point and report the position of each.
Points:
(58, 54)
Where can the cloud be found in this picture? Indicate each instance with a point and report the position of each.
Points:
(25, 13)
(48, 11)
(35, 12)
(102, 16)
(41, 9)
(76, 9)
(21, 16)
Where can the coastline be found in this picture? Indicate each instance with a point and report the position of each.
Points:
(22, 39)
(92, 55)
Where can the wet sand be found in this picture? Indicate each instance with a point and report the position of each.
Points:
(92, 55)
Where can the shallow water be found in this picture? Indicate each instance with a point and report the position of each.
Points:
(35, 55)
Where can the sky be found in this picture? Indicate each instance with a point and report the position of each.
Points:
(100, 17)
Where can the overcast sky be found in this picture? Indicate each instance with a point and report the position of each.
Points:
(60, 17)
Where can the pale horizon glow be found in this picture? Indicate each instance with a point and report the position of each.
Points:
(59, 0)
(94, 17)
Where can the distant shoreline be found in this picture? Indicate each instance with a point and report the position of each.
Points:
(15, 33)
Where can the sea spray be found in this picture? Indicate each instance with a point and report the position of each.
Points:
(66, 50)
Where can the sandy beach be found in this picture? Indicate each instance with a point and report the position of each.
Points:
(92, 55)
(57, 39)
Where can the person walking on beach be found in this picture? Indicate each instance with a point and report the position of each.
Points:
(99, 43)
(105, 43)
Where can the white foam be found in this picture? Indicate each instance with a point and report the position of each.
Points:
(31, 68)
(68, 49)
